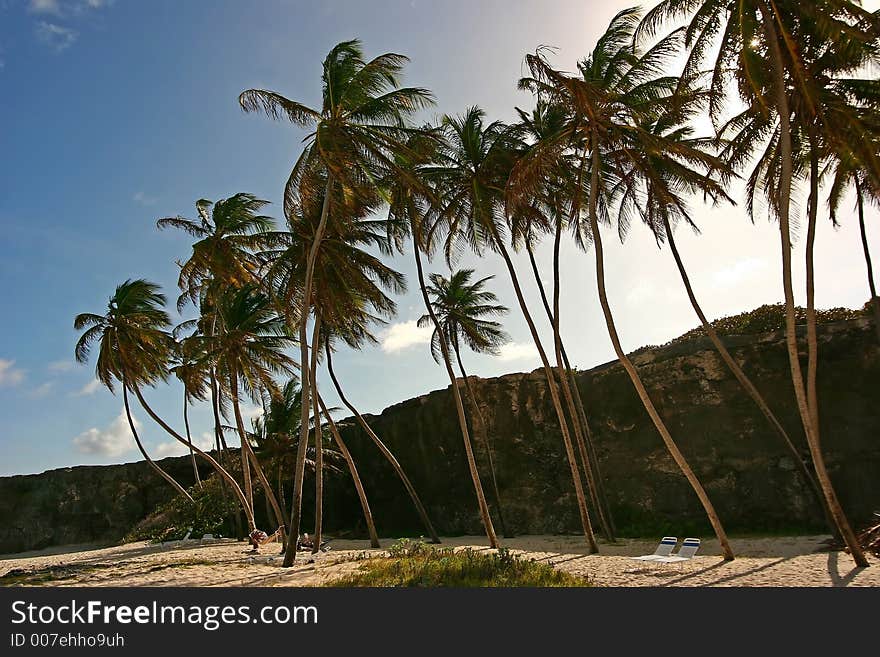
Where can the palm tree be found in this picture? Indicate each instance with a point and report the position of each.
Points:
(760, 50)
(845, 173)
(407, 217)
(356, 132)
(615, 88)
(474, 164)
(247, 353)
(460, 307)
(133, 348)
(192, 376)
(547, 210)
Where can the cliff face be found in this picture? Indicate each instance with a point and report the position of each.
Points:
(747, 471)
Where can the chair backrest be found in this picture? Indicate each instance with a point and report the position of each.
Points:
(667, 543)
(689, 548)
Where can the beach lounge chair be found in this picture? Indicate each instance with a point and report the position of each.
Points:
(686, 553)
(667, 543)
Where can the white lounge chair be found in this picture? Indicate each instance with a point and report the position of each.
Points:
(667, 543)
(686, 553)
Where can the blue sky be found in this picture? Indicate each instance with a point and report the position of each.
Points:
(116, 113)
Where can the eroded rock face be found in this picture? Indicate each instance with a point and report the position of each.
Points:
(751, 477)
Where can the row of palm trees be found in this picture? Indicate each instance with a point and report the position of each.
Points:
(611, 142)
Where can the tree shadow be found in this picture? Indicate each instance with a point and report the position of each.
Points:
(834, 571)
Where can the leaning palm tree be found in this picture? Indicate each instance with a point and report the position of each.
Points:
(134, 347)
(408, 217)
(192, 376)
(473, 167)
(247, 353)
(615, 88)
(356, 132)
(760, 50)
(547, 211)
(461, 308)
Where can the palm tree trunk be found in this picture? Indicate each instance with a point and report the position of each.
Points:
(248, 455)
(456, 395)
(875, 300)
(280, 491)
(566, 389)
(352, 468)
(740, 375)
(554, 396)
(218, 434)
(217, 467)
(192, 454)
(784, 199)
(305, 380)
(485, 435)
(597, 496)
(167, 477)
(677, 456)
(319, 452)
(410, 489)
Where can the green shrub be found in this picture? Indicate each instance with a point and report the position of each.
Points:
(173, 519)
(415, 564)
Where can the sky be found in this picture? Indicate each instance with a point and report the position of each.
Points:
(115, 113)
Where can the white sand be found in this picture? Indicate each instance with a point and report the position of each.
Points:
(784, 561)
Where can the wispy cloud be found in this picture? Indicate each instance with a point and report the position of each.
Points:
(56, 37)
(61, 365)
(518, 351)
(738, 272)
(89, 389)
(403, 335)
(41, 390)
(175, 448)
(114, 440)
(143, 199)
(9, 374)
(45, 7)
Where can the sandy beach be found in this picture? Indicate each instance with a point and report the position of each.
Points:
(779, 561)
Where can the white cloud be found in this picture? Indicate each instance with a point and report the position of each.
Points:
(251, 412)
(143, 199)
(56, 37)
(402, 335)
(114, 440)
(518, 351)
(9, 375)
(42, 390)
(175, 448)
(45, 7)
(61, 365)
(89, 389)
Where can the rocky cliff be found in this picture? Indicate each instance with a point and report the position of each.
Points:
(744, 466)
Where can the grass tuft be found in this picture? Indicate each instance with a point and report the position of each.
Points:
(416, 564)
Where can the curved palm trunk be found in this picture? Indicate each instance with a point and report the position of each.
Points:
(192, 454)
(305, 381)
(218, 437)
(352, 468)
(485, 435)
(807, 414)
(875, 300)
(554, 396)
(167, 477)
(410, 489)
(676, 454)
(459, 406)
(319, 451)
(249, 456)
(741, 376)
(585, 444)
(566, 389)
(217, 467)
